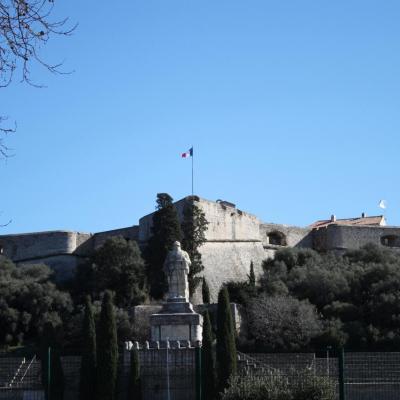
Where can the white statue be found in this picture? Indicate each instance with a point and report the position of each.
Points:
(176, 268)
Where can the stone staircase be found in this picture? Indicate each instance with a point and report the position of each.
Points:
(248, 365)
(8, 368)
(20, 373)
(28, 376)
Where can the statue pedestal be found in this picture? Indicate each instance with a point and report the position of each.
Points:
(176, 321)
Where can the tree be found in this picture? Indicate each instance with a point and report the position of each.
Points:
(118, 266)
(240, 292)
(134, 389)
(165, 231)
(356, 293)
(282, 323)
(107, 350)
(208, 360)
(205, 291)
(4, 150)
(226, 346)
(194, 226)
(25, 25)
(252, 277)
(53, 382)
(29, 299)
(88, 362)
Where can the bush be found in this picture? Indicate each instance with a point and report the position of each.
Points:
(310, 387)
(274, 386)
(266, 387)
(282, 323)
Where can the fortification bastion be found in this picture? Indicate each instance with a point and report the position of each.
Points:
(234, 239)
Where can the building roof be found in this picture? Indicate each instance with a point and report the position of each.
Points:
(377, 220)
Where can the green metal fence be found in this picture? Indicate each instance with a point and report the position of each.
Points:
(357, 376)
(20, 378)
(176, 371)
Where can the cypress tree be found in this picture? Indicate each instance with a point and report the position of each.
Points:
(252, 278)
(87, 387)
(134, 389)
(226, 346)
(205, 291)
(55, 390)
(194, 226)
(166, 230)
(208, 360)
(107, 350)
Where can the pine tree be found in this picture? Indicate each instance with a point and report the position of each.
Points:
(165, 231)
(119, 267)
(107, 350)
(88, 364)
(208, 360)
(252, 278)
(226, 346)
(134, 390)
(205, 291)
(50, 351)
(194, 226)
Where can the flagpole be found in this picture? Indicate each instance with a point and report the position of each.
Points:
(192, 169)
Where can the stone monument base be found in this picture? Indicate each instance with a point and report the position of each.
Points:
(176, 321)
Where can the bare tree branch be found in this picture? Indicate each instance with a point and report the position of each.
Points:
(26, 25)
(8, 223)
(4, 150)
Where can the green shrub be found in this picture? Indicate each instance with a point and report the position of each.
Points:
(311, 387)
(266, 387)
(273, 386)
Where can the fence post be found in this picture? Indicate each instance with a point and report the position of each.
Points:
(198, 371)
(48, 372)
(342, 395)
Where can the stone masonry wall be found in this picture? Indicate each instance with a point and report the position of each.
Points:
(295, 236)
(225, 223)
(342, 237)
(130, 233)
(226, 261)
(30, 246)
(234, 239)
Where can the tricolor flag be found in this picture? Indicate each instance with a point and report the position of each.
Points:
(188, 154)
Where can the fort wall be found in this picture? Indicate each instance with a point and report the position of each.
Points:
(63, 265)
(229, 261)
(30, 246)
(234, 239)
(224, 222)
(344, 237)
(129, 233)
(293, 236)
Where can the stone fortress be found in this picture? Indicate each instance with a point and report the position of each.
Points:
(234, 239)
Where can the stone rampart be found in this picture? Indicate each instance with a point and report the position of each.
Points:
(229, 261)
(63, 265)
(129, 233)
(224, 222)
(233, 240)
(292, 236)
(30, 246)
(343, 237)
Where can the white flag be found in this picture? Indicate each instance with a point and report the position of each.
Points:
(382, 204)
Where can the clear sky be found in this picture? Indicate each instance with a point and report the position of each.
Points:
(292, 108)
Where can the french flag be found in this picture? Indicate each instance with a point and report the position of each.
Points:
(188, 154)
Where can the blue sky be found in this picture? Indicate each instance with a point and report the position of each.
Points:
(292, 108)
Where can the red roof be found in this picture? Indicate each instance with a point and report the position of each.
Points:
(377, 220)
